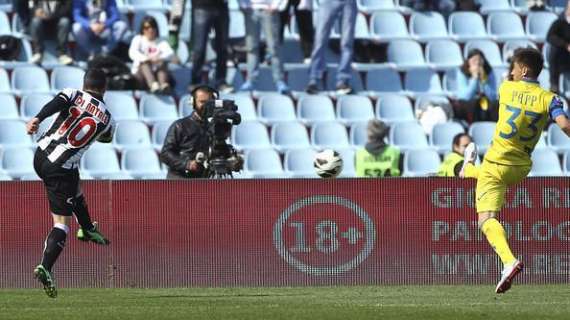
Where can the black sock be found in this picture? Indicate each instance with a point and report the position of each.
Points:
(82, 214)
(54, 245)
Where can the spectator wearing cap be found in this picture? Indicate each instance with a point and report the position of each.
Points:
(377, 158)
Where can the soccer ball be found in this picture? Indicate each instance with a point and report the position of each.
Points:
(328, 163)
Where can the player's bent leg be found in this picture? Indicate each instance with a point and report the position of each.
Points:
(89, 230)
(93, 235)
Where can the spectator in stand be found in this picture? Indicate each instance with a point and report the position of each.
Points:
(304, 18)
(150, 57)
(51, 16)
(558, 38)
(476, 90)
(378, 159)
(22, 9)
(263, 14)
(97, 26)
(454, 163)
(208, 15)
(329, 11)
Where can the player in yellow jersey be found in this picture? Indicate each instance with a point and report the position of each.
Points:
(524, 110)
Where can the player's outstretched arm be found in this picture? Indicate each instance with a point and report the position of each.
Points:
(564, 124)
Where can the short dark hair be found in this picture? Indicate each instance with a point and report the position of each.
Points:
(530, 58)
(458, 137)
(95, 79)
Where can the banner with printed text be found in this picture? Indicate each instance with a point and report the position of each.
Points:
(287, 233)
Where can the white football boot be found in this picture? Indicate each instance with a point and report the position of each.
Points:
(507, 276)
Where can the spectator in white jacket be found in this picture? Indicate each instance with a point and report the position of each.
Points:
(263, 15)
(150, 57)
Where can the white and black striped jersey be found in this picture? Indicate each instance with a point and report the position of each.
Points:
(83, 117)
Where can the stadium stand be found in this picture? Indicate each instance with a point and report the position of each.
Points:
(545, 162)
(421, 162)
(289, 135)
(408, 136)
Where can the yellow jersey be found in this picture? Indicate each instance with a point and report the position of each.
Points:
(524, 108)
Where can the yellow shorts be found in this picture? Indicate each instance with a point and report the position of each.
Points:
(492, 184)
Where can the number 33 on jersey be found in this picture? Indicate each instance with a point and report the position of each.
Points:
(524, 109)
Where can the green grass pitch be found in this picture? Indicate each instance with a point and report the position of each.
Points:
(370, 302)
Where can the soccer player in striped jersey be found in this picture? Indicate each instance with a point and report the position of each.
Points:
(524, 111)
(82, 118)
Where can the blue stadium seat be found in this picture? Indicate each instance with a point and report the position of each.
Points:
(161, 20)
(140, 162)
(544, 79)
(273, 108)
(185, 26)
(557, 140)
(250, 135)
(4, 24)
(482, 134)
(180, 75)
(384, 80)
(500, 74)
(13, 134)
(466, 25)
(291, 51)
(361, 31)
(157, 108)
(388, 26)
(369, 6)
(565, 164)
(355, 80)
(545, 163)
(100, 162)
(313, 108)
(538, 23)
(28, 79)
(442, 135)
(131, 134)
(233, 77)
(408, 136)
(158, 133)
(121, 105)
(492, 6)
(6, 5)
(421, 162)
(298, 163)
(511, 45)
(427, 26)
(348, 169)
(297, 76)
(4, 81)
(450, 82)
(264, 80)
(8, 107)
(352, 108)
(264, 163)
(66, 77)
(32, 103)
(520, 6)
(422, 81)
(443, 54)
(394, 108)
(289, 135)
(237, 25)
(331, 135)
(490, 50)
(503, 26)
(557, 6)
(18, 161)
(358, 135)
(5, 177)
(405, 54)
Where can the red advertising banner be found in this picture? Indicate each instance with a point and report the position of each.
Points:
(287, 233)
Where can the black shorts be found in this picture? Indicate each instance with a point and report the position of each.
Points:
(62, 185)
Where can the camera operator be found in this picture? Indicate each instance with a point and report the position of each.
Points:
(186, 142)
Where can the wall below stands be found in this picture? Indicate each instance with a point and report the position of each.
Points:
(287, 233)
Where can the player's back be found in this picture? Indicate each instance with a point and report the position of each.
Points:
(524, 109)
(83, 117)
